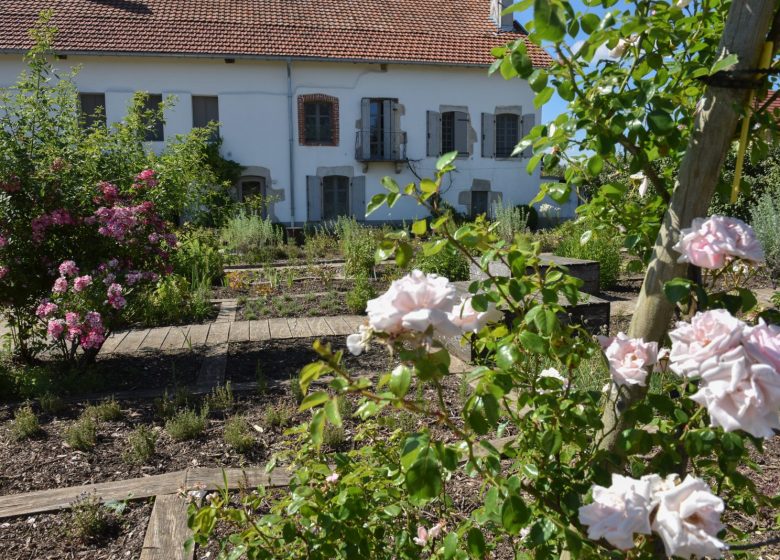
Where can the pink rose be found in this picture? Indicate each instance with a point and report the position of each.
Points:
(72, 319)
(740, 394)
(3, 241)
(46, 309)
(68, 268)
(60, 285)
(629, 359)
(414, 303)
(94, 339)
(55, 328)
(619, 511)
(762, 343)
(3, 271)
(115, 298)
(147, 176)
(688, 520)
(94, 319)
(81, 283)
(471, 320)
(424, 535)
(716, 241)
(711, 333)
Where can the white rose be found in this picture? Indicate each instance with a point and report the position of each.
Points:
(711, 333)
(471, 320)
(629, 359)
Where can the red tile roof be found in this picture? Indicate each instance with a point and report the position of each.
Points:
(457, 32)
(773, 97)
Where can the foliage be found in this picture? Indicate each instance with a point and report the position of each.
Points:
(760, 175)
(447, 262)
(140, 445)
(107, 411)
(765, 215)
(173, 299)
(221, 398)
(358, 244)
(278, 416)
(187, 424)
(249, 238)
(89, 519)
(238, 434)
(82, 434)
(166, 406)
(51, 404)
(198, 257)
(577, 243)
(92, 198)
(25, 424)
(361, 292)
(511, 220)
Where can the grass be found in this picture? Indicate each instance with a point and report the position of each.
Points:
(295, 390)
(187, 424)
(238, 434)
(140, 445)
(333, 436)
(25, 424)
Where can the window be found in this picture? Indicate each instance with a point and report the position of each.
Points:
(379, 138)
(448, 132)
(93, 109)
(335, 197)
(318, 120)
(205, 110)
(154, 132)
(479, 203)
(507, 134)
(251, 187)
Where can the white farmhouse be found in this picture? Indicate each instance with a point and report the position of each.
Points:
(318, 99)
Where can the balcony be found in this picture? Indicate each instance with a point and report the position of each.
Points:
(376, 145)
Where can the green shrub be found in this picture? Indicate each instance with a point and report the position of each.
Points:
(238, 434)
(82, 434)
(166, 406)
(107, 411)
(140, 445)
(295, 389)
(51, 404)
(358, 244)
(187, 424)
(89, 519)
(359, 295)
(221, 398)
(248, 237)
(514, 219)
(198, 257)
(333, 436)
(448, 262)
(175, 299)
(25, 424)
(766, 223)
(280, 415)
(600, 247)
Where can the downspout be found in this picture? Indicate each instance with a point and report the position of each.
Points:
(292, 141)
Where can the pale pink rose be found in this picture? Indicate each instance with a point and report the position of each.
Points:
(762, 343)
(716, 241)
(358, 343)
(644, 182)
(471, 320)
(620, 511)
(688, 520)
(740, 394)
(424, 535)
(46, 309)
(81, 283)
(629, 359)
(332, 478)
(414, 303)
(55, 328)
(115, 297)
(60, 285)
(68, 268)
(711, 333)
(436, 530)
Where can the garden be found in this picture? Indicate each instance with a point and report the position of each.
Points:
(183, 378)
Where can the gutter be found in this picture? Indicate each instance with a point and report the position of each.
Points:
(290, 129)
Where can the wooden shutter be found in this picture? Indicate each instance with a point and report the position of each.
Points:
(314, 198)
(357, 193)
(433, 147)
(389, 145)
(488, 135)
(364, 134)
(527, 123)
(462, 133)
(205, 109)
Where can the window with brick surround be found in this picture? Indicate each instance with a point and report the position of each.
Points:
(318, 120)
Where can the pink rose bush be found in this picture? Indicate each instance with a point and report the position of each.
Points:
(737, 369)
(686, 516)
(717, 241)
(421, 304)
(630, 359)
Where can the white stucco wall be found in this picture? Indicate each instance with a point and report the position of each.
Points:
(253, 109)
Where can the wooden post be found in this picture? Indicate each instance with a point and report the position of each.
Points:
(714, 127)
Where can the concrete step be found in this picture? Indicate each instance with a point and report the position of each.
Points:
(587, 271)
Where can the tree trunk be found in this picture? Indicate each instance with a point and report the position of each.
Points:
(714, 127)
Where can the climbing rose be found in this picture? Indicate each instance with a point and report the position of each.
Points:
(619, 511)
(68, 268)
(424, 535)
(55, 328)
(3, 272)
(716, 241)
(740, 394)
(629, 359)
(471, 320)
(622, 46)
(115, 298)
(414, 303)
(81, 283)
(688, 520)
(60, 285)
(711, 333)
(45, 309)
(762, 343)
(644, 182)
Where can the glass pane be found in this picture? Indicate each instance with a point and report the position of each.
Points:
(507, 134)
(155, 134)
(92, 105)
(479, 203)
(251, 188)
(335, 196)
(447, 132)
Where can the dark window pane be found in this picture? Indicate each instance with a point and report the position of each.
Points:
(479, 203)
(155, 133)
(317, 122)
(507, 134)
(447, 132)
(93, 108)
(335, 196)
(205, 110)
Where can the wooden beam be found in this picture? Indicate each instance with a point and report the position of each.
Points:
(167, 530)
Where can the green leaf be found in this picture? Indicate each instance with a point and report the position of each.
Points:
(549, 19)
(419, 227)
(311, 372)
(315, 399)
(590, 22)
(376, 201)
(423, 479)
(475, 542)
(316, 427)
(507, 69)
(428, 187)
(450, 545)
(533, 342)
(400, 379)
(390, 184)
(538, 80)
(404, 254)
(445, 160)
(660, 122)
(433, 247)
(543, 96)
(724, 63)
(507, 356)
(332, 412)
(678, 290)
(595, 165)
(514, 514)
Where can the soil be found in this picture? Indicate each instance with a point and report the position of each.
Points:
(48, 536)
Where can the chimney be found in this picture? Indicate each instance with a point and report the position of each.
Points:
(503, 22)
